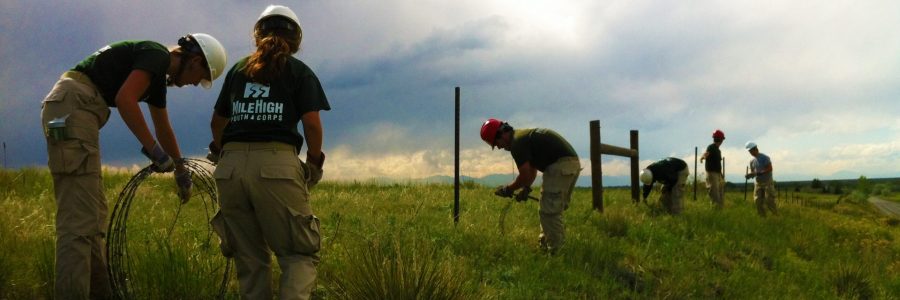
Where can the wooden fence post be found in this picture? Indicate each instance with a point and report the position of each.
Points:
(596, 170)
(456, 163)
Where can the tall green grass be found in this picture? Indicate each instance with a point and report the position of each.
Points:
(399, 241)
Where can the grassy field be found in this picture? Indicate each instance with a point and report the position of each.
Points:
(399, 242)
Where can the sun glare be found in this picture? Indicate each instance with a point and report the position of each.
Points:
(544, 21)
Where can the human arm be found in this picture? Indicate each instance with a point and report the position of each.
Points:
(315, 158)
(217, 125)
(166, 137)
(526, 177)
(767, 169)
(126, 101)
(165, 134)
(127, 104)
(313, 132)
(646, 190)
(755, 170)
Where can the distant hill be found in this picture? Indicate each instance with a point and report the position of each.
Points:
(624, 181)
(500, 179)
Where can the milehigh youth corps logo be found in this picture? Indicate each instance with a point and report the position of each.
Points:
(256, 90)
(254, 106)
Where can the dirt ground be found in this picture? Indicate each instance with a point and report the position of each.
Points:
(887, 207)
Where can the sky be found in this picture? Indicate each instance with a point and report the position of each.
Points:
(813, 83)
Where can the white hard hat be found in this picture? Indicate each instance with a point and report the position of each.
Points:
(279, 10)
(214, 54)
(750, 145)
(646, 176)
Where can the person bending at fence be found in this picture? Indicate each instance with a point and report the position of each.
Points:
(764, 187)
(538, 149)
(263, 187)
(714, 177)
(672, 173)
(118, 75)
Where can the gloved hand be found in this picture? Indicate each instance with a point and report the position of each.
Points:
(162, 162)
(523, 195)
(503, 191)
(213, 154)
(184, 183)
(313, 168)
(750, 175)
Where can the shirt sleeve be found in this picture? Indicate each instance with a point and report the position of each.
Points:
(521, 153)
(311, 95)
(153, 59)
(764, 163)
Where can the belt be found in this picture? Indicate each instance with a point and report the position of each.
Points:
(256, 146)
(80, 78)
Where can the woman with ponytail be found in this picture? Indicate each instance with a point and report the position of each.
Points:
(263, 187)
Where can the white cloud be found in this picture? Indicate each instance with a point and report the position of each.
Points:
(814, 82)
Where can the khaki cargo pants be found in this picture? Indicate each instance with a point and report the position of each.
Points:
(764, 194)
(81, 208)
(715, 184)
(265, 208)
(559, 181)
(671, 197)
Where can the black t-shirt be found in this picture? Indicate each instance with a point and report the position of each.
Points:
(714, 159)
(541, 147)
(110, 66)
(260, 113)
(666, 170)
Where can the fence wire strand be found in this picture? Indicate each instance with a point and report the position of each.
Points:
(119, 264)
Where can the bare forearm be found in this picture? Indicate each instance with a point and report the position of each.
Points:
(167, 140)
(525, 179)
(314, 138)
(217, 126)
(134, 119)
(312, 130)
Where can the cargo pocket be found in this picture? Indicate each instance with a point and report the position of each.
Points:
(71, 157)
(221, 229)
(285, 174)
(305, 234)
(552, 202)
(53, 105)
(222, 172)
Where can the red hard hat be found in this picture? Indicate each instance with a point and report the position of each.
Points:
(718, 134)
(489, 131)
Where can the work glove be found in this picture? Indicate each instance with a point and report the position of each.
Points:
(213, 154)
(313, 169)
(184, 183)
(503, 191)
(523, 195)
(162, 162)
(751, 175)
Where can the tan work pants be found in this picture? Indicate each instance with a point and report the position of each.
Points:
(715, 184)
(671, 197)
(265, 208)
(559, 181)
(764, 194)
(81, 208)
